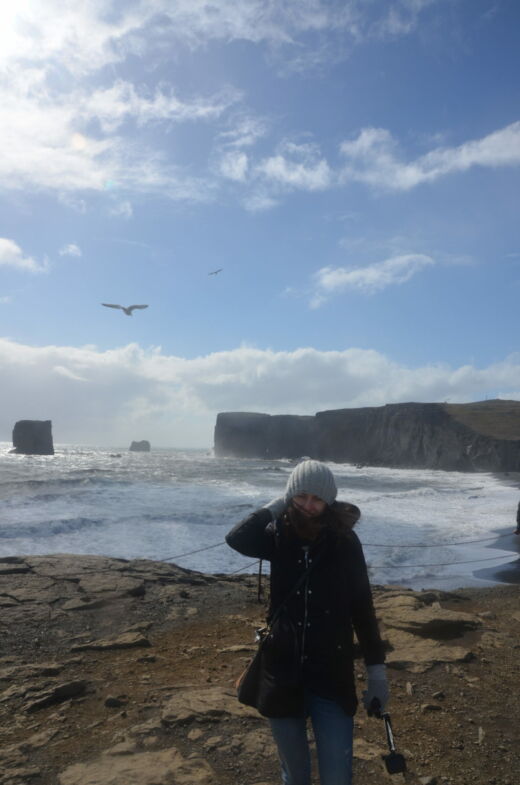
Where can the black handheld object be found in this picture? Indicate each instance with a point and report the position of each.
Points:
(395, 762)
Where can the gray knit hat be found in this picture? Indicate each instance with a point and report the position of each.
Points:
(311, 477)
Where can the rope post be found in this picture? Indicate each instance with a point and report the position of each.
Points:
(260, 594)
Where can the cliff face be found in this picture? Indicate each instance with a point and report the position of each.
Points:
(407, 435)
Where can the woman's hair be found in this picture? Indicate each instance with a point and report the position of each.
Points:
(340, 517)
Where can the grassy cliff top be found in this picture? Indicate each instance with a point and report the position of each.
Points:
(496, 418)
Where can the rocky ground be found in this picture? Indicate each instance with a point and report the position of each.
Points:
(122, 673)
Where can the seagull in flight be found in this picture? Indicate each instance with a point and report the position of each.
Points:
(128, 310)
(214, 272)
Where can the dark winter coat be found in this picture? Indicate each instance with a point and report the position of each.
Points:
(334, 600)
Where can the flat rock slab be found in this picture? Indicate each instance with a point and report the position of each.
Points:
(30, 671)
(165, 767)
(431, 621)
(98, 582)
(7, 568)
(204, 704)
(417, 654)
(128, 640)
(72, 567)
(57, 694)
(20, 776)
(6, 602)
(84, 603)
(29, 588)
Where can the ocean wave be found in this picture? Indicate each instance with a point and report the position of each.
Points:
(44, 529)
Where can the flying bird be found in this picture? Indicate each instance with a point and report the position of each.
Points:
(214, 272)
(128, 310)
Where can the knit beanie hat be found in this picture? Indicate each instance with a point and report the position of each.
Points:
(311, 477)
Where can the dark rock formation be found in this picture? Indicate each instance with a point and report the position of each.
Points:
(33, 437)
(142, 446)
(407, 435)
(250, 435)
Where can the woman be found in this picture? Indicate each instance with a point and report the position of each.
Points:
(319, 578)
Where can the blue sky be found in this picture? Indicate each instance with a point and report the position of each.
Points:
(353, 168)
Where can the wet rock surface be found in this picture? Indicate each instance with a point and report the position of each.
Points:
(122, 673)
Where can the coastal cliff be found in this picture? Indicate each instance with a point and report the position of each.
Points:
(483, 436)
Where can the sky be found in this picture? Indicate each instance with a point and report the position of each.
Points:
(351, 168)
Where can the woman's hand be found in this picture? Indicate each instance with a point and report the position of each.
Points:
(376, 695)
(276, 507)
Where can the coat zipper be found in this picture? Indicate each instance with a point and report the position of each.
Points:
(306, 591)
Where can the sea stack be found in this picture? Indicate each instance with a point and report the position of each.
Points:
(142, 446)
(33, 437)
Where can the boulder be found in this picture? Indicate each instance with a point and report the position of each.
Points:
(142, 446)
(33, 437)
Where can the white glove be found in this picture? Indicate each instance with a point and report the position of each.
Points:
(376, 695)
(276, 507)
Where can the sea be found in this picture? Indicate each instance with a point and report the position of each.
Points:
(419, 528)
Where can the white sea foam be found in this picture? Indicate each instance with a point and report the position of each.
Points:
(166, 503)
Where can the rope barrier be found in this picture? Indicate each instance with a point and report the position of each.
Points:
(365, 545)
(440, 564)
(400, 566)
(234, 572)
(434, 545)
(189, 553)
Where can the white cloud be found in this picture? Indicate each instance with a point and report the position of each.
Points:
(370, 279)
(277, 22)
(70, 250)
(373, 158)
(111, 106)
(234, 166)
(258, 202)
(67, 373)
(108, 397)
(69, 137)
(78, 36)
(11, 255)
(46, 151)
(122, 209)
(296, 166)
(73, 202)
(50, 148)
(399, 18)
(82, 38)
(246, 130)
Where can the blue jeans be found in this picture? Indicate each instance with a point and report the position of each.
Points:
(333, 732)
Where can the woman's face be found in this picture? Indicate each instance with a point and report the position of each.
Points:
(309, 505)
